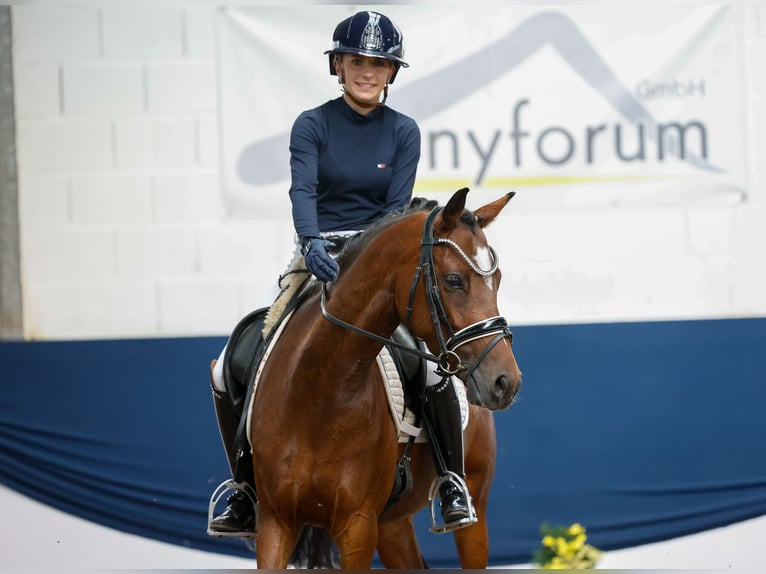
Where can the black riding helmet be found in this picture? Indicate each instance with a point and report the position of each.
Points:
(368, 34)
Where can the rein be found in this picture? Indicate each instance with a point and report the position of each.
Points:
(497, 326)
(385, 340)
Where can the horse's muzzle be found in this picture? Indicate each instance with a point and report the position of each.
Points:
(495, 394)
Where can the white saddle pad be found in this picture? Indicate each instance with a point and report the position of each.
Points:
(403, 417)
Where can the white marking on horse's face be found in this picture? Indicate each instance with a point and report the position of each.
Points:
(483, 260)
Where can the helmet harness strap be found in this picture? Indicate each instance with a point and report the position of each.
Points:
(362, 104)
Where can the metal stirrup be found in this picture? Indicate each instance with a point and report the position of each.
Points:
(218, 494)
(433, 498)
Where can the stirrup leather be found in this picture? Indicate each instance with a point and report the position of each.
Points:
(433, 498)
(219, 493)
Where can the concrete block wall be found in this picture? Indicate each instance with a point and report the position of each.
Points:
(123, 229)
(125, 234)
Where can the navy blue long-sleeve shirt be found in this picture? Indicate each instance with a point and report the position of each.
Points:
(348, 169)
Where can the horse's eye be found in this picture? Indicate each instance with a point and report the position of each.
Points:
(453, 281)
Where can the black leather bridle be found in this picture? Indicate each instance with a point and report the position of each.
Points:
(449, 339)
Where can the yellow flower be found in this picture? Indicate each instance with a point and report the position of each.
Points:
(563, 548)
(579, 541)
(575, 529)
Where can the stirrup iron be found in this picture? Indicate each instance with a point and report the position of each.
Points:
(223, 489)
(433, 498)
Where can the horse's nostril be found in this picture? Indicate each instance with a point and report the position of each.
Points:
(501, 385)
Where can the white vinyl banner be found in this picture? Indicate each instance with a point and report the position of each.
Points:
(589, 106)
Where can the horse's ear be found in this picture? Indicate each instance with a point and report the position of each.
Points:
(453, 210)
(486, 214)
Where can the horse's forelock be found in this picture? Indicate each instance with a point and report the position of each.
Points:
(468, 218)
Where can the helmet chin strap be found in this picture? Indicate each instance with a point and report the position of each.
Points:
(360, 103)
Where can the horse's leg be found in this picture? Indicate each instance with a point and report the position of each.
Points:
(472, 542)
(357, 540)
(398, 545)
(274, 542)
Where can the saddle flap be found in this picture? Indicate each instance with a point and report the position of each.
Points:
(410, 367)
(241, 351)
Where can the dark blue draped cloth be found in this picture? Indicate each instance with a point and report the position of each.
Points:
(639, 431)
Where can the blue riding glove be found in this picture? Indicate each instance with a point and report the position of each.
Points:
(318, 261)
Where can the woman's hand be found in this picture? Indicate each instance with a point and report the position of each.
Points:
(318, 261)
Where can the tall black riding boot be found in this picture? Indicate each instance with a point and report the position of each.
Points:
(239, 515)
(443, 421)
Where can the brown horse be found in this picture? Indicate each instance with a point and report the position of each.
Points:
(325, 447)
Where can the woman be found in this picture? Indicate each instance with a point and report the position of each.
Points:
(353, 159)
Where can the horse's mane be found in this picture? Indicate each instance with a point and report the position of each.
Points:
(356, 244)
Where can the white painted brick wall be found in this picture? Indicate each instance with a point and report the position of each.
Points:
(181, 87)
(64, 144)
(117, 151)
(69, 254)
(124, 232)
(197, 306)
(55, 33)
(156, 142)
(189, 196)
(110, 201)
(37, 89)
(173, 142)
(82, 309)
(44, 204)
(142, 33)
(119, 88)
(156, 251)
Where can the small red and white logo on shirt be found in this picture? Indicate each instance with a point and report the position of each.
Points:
(381, 166)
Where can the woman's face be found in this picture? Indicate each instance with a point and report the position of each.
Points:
(364, 77)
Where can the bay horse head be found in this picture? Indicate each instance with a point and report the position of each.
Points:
(454, 310)
(449, 300)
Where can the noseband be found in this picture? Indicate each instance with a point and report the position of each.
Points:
(448, 361)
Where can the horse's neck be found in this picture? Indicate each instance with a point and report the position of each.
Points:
(373, 311)
(363, 295)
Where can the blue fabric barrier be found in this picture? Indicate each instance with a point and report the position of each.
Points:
(639, 431)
